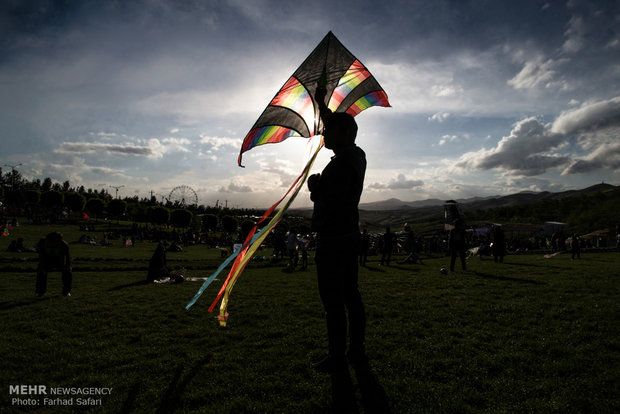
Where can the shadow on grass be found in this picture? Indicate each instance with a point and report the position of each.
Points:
(24, 302)
(373, 269)
(128, 285)
(343, 393)
(172, 396)
(374, 398)
(545, 263)
(407, 269)
(131, 398)
(508, 279)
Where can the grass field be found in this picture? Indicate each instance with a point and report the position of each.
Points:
(530, 335)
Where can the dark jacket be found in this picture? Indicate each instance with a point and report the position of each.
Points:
(54, 255)
(337, 195)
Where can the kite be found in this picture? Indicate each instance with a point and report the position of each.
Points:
(294, 112)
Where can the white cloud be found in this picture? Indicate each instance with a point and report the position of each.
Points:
(533, 148)
(447, 138)
(439, 116)
(590, 116)
(574, 35)
(606, 156)
(91, 147)
(234, 187)
(535, 73)
(446, 90)
(526, 151)
(400, 183)
(217, 143)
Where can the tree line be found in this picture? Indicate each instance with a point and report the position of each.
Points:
(45, 201)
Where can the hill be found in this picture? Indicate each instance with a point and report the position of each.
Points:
(396, 204)
(592, 208)
(525, 197)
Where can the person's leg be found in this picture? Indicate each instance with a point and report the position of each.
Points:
(462, 254)
(355, 306)
(452, 258)
(67, 282)
(329, 275)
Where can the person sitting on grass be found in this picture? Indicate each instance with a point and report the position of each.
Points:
(157, 265)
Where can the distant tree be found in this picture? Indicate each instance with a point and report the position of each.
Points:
(75, 202)
(209, 222)
(47, 184)
(13, 180)
(117, 207)
(181, 218)
(66, 186)
(32, 196)
(51, 199)
(15, 198)
(138, 212)
(245, 228)
(158, 215)
(229, 224)
(94, 207)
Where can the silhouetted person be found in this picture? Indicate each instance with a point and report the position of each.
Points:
(291, 248)
(336, 193)
(388, 246)
(499, 244)
(575, 247)
(303, 246)
(54, 255)
(158, 268)
(410, 246)
(364, 246)
(456, 243)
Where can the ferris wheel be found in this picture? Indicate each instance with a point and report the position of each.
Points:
(183, 195)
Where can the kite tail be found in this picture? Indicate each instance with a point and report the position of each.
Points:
(254, 239)
(246, 254)
(251, 238)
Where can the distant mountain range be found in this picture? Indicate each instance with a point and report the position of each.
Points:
(396, 204)
(475, 203)
(429, 213)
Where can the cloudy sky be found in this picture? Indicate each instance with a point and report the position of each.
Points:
(488, 97)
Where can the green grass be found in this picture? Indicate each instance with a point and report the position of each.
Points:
(529, 335)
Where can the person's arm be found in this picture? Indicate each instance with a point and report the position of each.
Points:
(319, 96)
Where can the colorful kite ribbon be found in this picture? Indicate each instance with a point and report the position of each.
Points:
(251, 245)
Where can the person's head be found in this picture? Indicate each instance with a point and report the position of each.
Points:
(340, 130)
(54, 238)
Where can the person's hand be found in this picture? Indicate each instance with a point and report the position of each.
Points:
(313, 181)
(319, 94)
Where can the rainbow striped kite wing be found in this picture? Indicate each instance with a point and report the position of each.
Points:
(357, 90)
(289, 113)
(293, 112)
